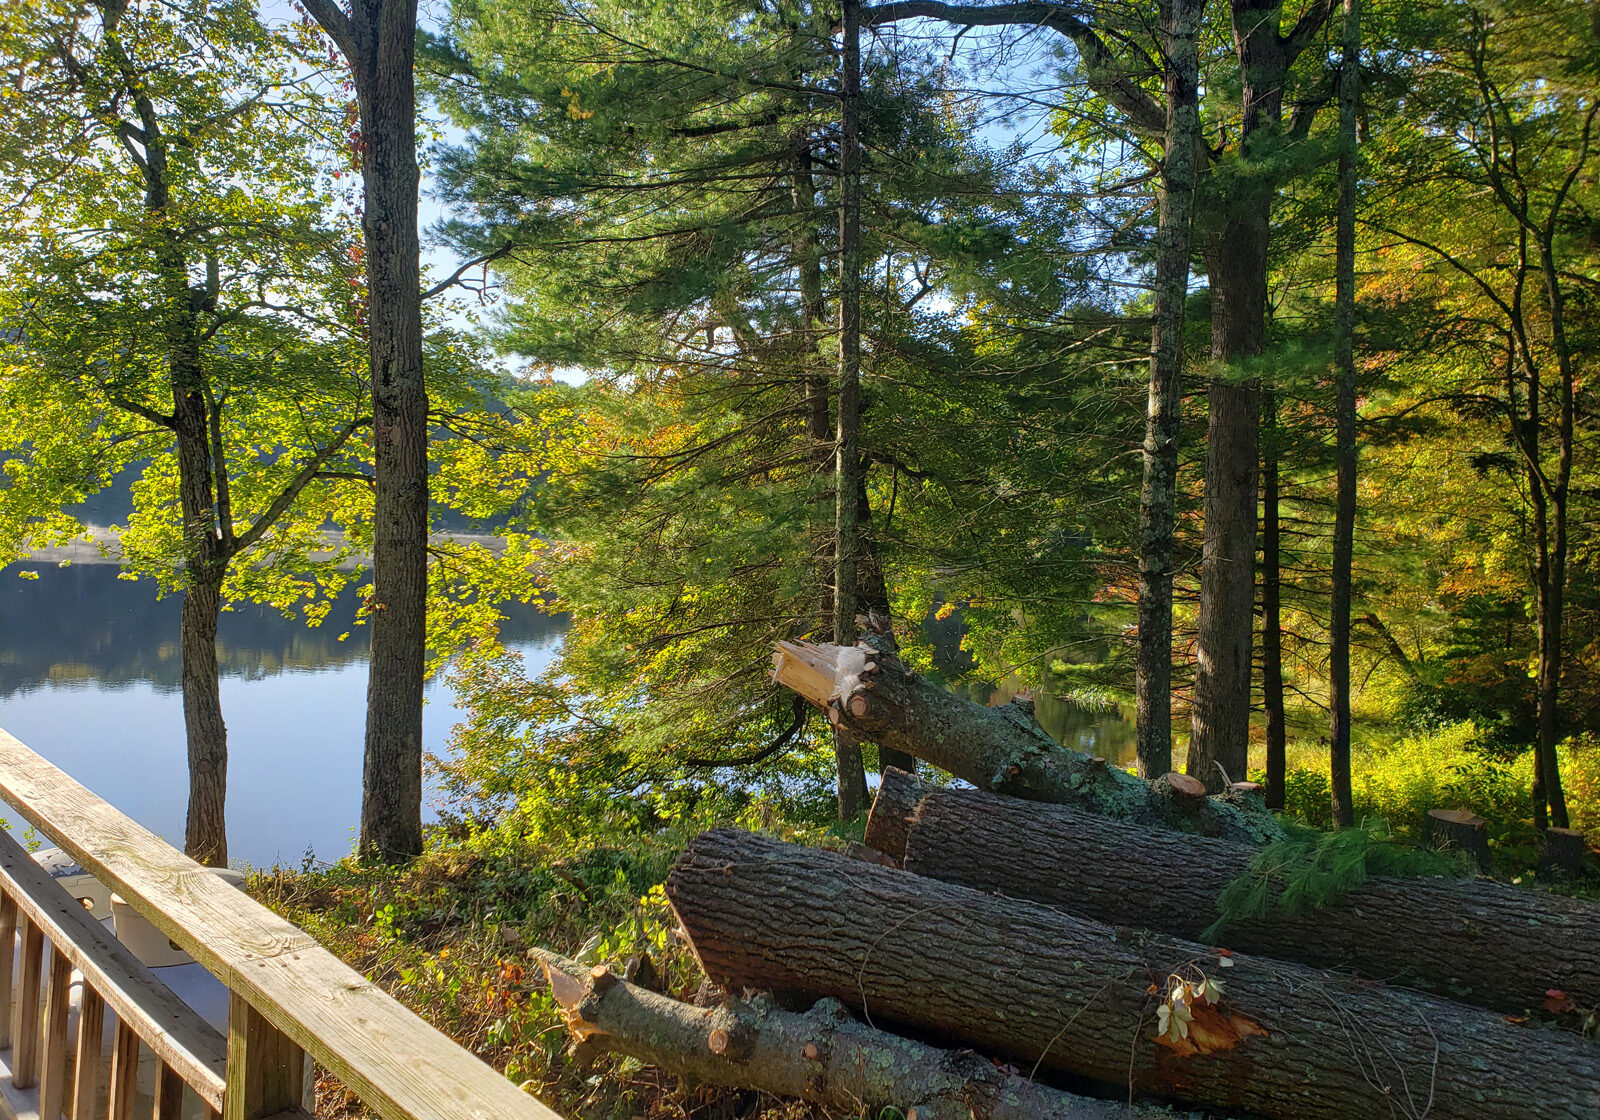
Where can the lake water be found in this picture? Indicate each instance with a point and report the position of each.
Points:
(89, 678)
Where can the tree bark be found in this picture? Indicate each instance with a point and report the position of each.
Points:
(1080, 998)
(1344, 518)
(205, 838)
(1180, 21)
(1236, 266)
(1272, 608)
(378, 39)
(869, 692)
(822, 1055)
(847, 446)
(847, 467)
(1471, 940)
(204, 561)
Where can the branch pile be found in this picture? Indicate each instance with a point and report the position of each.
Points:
(1044, 954)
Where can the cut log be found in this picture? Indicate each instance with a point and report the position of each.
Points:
(1563, 849)
(870, 692)
(1485, 943)
(1082, 998)
(1460, 830)
(823, 1055)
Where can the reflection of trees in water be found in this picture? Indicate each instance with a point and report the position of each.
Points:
(1102, 731)
(83, 624)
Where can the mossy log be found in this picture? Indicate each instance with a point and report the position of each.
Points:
(1489, 944)
(1058, 992)
(869, 691)
(822, 1055)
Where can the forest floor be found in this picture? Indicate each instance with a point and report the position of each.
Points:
(450, 937)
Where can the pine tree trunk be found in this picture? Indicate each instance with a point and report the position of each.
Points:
(847, 446)
(847, 468)
(1080, 998)
(1485, 943)
(1158, 499)
(1553, 590)
(379, 41)
(869, 692)
(1344, 522)
(1272, 606)
(1236, 265)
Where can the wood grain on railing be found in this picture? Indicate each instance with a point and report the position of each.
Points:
(397, 1064)
(172, 1030)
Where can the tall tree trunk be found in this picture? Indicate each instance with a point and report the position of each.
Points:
(1344, 518)
(205, 564)
(847, 445)
(1272, 605)
(1236, 264)
(391, 811)
(205, 832)
(1552, 597)
(206, 735)
(1158, 499)
(847, 468)
(378, 39)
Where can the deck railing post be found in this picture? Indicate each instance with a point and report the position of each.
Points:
(266, 1068)
(8, 951)
(53, 1060)
(25, 1009)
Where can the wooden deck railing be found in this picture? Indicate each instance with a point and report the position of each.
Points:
(290, 998)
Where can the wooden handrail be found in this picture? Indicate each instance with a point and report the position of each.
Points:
(281, 978)
(174, 1032)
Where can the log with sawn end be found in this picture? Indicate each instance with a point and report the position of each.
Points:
(868, 691)
(1084, 999)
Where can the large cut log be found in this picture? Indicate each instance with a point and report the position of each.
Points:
(822, 1055)
(869, 692)
(1083, 998)
(1485, 943)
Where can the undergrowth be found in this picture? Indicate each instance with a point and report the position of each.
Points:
(449, 936)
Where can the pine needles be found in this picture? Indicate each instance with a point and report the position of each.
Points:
(1313, 870)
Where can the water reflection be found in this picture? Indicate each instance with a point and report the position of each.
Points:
(1105, 730)
(89, 678)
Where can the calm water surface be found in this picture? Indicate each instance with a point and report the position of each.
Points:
(89, 678)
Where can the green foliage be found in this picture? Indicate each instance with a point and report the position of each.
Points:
(1314, 870)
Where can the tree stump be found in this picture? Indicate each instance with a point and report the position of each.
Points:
(1460, 830)
(1563, 849)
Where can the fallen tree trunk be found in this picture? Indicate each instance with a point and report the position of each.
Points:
(1496, 946)
(823, 1055)
(869, 692)
(1085, 999)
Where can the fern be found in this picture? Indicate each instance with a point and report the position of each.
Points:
(1312, 870)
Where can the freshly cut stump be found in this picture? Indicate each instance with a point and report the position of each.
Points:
(1081, 998)
(1484, 943)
